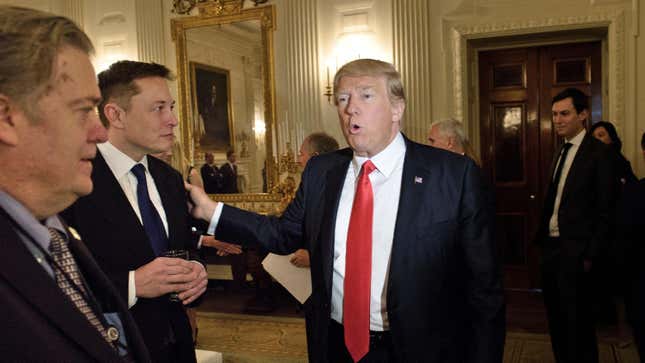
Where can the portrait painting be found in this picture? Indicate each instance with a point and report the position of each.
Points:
(212, 117)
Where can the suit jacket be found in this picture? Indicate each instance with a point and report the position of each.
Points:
(630, 231)
(118, 241)
(39, 321)
(212, 178)
(229, 178)
(444, 288)
(585, 215)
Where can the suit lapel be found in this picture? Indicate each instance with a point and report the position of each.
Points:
(333, 188)
(576, 166)
(115, 207)
(38, 288)
(414, 184)
(110, 300)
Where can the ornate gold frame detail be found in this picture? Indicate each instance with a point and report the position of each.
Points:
(226, 12)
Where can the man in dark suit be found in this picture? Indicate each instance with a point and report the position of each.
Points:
(137, 210)
(403, 271)
(211, 175)
(574, 226)
(229, 173)
(630, 235)
(57, 305)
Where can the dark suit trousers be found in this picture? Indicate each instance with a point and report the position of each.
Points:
(381, 349)
(567, 297)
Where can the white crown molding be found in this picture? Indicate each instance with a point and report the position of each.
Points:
(611, 19)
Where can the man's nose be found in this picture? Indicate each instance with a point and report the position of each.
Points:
(97, 133)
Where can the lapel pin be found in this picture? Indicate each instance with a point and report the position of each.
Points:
(74, 233)
(418, 180)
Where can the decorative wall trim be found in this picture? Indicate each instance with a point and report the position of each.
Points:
(75, 10)
(411, 23)
(150, 31)
(612, 20)
(303, 74)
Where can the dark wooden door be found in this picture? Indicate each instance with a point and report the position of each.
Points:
(517, 140)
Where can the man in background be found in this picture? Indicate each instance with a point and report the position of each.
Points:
(630, 235)
(449, 134)
(575, 224)
(137, 211)
(211, 176)
(313, 145)
(229, 173)
(57, 305)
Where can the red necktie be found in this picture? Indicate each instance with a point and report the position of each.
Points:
(358, 268)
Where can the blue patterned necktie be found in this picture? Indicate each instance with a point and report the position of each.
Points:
(149, 215)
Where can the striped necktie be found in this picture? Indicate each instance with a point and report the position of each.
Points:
(66, 274)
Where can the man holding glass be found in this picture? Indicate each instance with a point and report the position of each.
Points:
(137, 213)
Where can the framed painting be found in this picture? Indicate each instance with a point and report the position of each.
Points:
(212, 116)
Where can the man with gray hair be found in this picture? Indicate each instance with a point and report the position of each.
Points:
(449, 134)
(57, 305)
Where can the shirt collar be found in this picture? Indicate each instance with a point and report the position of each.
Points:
(577, 140)
(25, 219)
(119, 163)
(385, 161)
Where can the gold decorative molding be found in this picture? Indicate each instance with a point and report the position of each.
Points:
(220, 7)
(612, 20)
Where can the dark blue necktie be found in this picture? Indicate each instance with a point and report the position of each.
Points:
(151, 220)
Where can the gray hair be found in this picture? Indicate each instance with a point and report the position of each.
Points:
(29, 42)
(451, 128)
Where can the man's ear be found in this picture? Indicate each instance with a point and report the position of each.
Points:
(451, 142)
(114, 114)
(397, 111)
(584, 115)
(8, 132)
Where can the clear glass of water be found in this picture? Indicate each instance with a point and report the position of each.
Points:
(183, 254)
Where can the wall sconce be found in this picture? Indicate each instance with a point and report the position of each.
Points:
(328, 87)
(259, 129)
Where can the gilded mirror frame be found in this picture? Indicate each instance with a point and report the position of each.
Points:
(211, 14)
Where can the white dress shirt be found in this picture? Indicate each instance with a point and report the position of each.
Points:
(386, 188)
(121, 166)
(554, 229)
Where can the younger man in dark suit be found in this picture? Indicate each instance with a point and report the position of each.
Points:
(57, 305)
(229, 173)
(575, 224)
(137, 210)
(211, 175)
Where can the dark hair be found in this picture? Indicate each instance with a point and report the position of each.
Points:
(320, 143)
(578, 98)
(229, 152)
(117, 82)
(611, 131)
(643, 141)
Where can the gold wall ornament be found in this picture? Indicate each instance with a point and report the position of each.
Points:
(220, 7)
(209, 7)
(232, 17)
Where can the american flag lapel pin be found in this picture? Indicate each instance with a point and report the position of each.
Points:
(418, 180)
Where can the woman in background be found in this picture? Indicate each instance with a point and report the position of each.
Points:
(606, 132)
